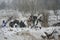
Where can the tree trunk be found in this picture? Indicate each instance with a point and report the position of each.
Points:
(45, 20)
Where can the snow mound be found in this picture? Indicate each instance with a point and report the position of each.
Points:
(24, 33)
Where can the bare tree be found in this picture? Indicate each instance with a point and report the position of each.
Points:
(34, 6)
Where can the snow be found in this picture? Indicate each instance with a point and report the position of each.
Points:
(53, 18)
(24, 33)
(8, 33)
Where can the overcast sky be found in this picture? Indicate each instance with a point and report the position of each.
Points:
(6, 1)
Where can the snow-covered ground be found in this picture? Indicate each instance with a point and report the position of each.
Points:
(8, 33)
(53, 18)
(25, 33)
